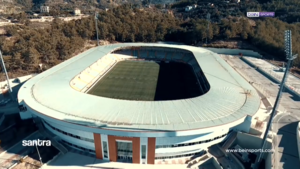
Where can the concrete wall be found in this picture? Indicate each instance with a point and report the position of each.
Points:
(262, 71)
(268, 160)
(235, 52)
(2, 117)
(215, 163)
(211, 161)
(240, 165)
(254, 131)
(245, 126)
(251, 142)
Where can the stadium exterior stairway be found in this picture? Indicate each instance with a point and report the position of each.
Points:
(50, 136)
(229, 140)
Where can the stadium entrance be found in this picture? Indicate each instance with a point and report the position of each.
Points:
(124, 151)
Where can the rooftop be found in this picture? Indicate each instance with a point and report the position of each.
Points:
(49, 93)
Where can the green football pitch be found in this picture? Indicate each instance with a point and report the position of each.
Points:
(129, 80)
(148, 81)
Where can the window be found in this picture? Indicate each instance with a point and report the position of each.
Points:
(143, 151)
(72, 145)
(185, 155)
(105, 149)
(69, 134)
(188, 144)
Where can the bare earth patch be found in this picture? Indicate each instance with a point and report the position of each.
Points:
(28, 163)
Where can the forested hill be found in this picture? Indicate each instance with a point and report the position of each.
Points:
(25, 47)
(285, 10)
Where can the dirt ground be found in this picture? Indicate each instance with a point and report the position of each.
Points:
(32, 160)
(28, 163)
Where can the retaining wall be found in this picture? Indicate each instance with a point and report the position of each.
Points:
(226, 51)
(262, 71)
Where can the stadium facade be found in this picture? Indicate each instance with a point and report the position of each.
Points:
(141, 131)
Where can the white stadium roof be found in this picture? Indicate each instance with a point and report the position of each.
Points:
(50, 93)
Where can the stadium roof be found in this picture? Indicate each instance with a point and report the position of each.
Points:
(50, 93)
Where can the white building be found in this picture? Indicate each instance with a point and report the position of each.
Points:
(77, 11)
(188, 8)
(150, 131)
(44, 9)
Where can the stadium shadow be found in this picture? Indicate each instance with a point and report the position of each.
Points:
(176, 81)
(288, 144)
(81, 161)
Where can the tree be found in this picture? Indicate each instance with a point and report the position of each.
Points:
(244, 35)
(27, 22)
(31, 56)
(11, 30)
(228, 34)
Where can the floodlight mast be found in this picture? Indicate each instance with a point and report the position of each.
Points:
(5, 72)
(96, 26)
(208, 20)
(290, 58)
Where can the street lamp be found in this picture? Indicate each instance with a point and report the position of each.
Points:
(39, 155)
(290, 58)
(5, 72)
(96, 26)
(208, 19)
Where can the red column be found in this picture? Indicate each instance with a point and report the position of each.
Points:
(112, 147)
(151, 151)
(98, 146)
(136, 150)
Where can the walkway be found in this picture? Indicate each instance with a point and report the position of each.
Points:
(85, 162)
(283, 124)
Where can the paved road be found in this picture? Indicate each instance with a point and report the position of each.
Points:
(285, 143)
(16, 151)
(288, 102)
(284, 125)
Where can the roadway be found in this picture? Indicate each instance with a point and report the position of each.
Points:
(284, 124)
(285, 142)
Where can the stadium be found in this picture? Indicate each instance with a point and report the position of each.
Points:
(140, 103)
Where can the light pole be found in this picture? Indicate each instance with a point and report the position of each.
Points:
(208, 19)
(96, 26)
(39, 155)
(290, 58)
(5, 72)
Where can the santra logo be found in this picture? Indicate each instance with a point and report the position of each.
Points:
(37, 142)
(252, 14)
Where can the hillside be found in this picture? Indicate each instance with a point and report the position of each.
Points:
(25, 46)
